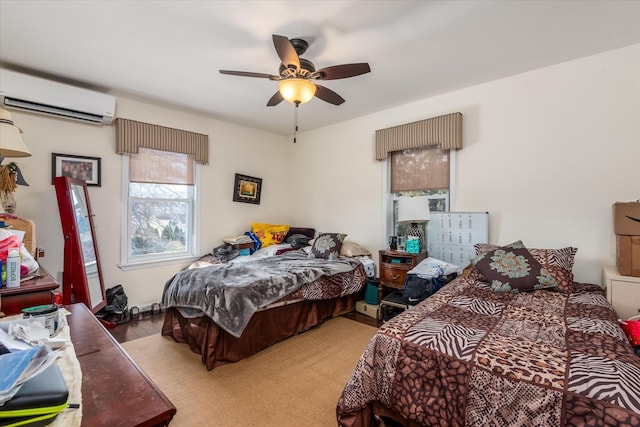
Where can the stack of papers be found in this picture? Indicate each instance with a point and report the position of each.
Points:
(238, 240)
(20, 366)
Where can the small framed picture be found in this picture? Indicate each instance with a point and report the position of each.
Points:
(79, 167)
(247, 189)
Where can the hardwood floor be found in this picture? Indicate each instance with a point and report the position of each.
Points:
(149, 324)
(363, 318)
(146, 324)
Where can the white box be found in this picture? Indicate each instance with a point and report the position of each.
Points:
(371, 310)
(369, 266)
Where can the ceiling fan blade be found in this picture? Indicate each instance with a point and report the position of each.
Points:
(344, 71)
(286, 51)
(275, 99)
(328, 95)
(250, 74)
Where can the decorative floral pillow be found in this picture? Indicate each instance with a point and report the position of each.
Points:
(557, 262)
(513, 268)
(327, 245)
(270, 234)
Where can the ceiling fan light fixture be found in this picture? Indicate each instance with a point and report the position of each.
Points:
(297, 91)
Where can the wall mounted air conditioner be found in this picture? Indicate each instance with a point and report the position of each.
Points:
(37, 95)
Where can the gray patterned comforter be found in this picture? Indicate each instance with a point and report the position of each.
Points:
(468, 356)
(231, 293)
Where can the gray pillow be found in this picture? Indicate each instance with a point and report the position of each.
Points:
(298, 240)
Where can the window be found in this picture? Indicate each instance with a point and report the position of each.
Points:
(423, 171)
(160, 219)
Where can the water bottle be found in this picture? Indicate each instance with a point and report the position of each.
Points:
(13, 269)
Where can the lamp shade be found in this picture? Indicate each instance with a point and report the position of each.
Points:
(413, 209)
(11, 144)
(297, 91)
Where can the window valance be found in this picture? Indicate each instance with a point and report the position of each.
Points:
(445, 131)
(131, 135)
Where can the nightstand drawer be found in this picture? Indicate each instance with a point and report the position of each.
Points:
(394, 275)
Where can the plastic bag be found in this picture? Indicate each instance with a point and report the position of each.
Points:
(631, 328)
(27, 261)
(8, 241)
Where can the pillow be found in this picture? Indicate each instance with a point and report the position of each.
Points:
(306, 231)
(353, 249)
(298, 240)
(557, 262)
(269, 234)
(563, 257)
(327, 245)
(513, 268)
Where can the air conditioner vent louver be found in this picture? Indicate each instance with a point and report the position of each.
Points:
(47, 109)
(29, 93)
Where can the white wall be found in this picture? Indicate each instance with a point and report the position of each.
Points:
(546, 152)
(232, 149)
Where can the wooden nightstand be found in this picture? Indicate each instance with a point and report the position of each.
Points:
(623, 292)
(394, 266)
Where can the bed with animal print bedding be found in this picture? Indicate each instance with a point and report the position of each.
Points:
(474, 355)
(229, 311)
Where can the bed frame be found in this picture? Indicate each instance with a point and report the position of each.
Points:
(266, 327)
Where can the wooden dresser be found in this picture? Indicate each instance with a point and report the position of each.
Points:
(115, 391)
(32, 292)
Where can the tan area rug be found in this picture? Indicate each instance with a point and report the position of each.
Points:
(296, 382)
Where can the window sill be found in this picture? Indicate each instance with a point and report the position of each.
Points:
(157, 263)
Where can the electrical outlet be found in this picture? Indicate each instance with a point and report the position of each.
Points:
(39, 253)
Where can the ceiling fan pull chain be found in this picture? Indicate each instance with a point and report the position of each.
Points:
(295, 122)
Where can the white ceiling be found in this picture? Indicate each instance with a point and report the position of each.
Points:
(171, 51)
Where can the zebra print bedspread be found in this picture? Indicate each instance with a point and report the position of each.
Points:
(468, 356)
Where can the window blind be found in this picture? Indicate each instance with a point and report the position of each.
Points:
(420, 169)
(160, 167)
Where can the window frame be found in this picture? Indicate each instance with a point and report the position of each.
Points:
(389, 199)
(130, 262)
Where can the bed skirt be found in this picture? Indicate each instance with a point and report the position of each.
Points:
(265, 328)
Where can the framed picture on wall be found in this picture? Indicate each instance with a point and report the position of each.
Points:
(247, 189)
(79, 167)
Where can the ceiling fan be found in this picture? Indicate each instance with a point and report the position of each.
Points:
(297, 75)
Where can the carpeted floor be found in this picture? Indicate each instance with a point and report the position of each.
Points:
(296, 382)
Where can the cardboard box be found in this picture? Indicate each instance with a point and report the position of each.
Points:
(626, 218)
(628, 255)
(371, 310)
